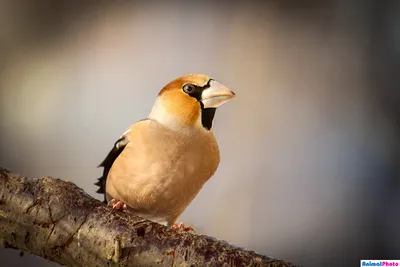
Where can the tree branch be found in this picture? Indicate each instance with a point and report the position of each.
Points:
(58, 221)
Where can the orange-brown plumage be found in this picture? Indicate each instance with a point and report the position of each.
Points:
(197, 79)
(187, 109)
(160, 164)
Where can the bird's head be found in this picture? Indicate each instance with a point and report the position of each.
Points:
(190, 101)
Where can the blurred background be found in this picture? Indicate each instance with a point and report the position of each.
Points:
(310, 150)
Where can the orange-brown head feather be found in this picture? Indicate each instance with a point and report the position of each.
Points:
(189, 100)
(178, 83)
(186, 108)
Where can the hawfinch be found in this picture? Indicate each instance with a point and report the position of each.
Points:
(158, 166)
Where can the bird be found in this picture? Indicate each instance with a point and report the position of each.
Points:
(158, 166)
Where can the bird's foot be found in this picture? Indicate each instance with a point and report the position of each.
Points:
(118, 205)
(182, 227)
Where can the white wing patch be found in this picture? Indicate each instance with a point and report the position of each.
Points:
(122, 139)
(125, 133)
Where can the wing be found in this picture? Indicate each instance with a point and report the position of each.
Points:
(108, 162)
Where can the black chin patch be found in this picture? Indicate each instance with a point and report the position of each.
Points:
(207, 116)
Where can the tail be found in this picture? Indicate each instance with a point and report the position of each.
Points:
(101, 183)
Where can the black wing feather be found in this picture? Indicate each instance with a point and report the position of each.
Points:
(108, 162)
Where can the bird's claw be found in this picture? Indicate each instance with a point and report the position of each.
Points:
(182, 227)
(118, 205)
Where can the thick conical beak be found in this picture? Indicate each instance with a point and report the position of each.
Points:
(216, 95)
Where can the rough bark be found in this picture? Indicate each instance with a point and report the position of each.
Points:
(57, 220)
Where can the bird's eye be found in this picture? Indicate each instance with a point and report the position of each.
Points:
(189, 88)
